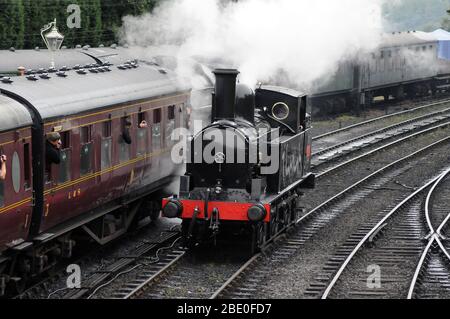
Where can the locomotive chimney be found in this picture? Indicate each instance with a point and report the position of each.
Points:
(224, 98)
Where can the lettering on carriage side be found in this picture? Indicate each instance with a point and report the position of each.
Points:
(374, 279)
(74, 278)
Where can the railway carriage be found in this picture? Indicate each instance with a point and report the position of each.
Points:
(405, 64)
(16, 189)
(102, 185)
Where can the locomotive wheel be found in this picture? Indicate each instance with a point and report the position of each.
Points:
(287, 216)
(273, 226)
(18, 286)
(259, 237)
(262, 234)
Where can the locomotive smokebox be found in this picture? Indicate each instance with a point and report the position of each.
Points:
(224, 97)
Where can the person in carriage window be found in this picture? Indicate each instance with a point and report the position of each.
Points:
(52, 148)
(3, 160)
(143, 124)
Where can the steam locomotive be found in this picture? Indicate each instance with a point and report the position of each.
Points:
(245, 170)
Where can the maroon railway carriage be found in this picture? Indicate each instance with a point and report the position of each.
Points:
(16, 190)
(102, 184)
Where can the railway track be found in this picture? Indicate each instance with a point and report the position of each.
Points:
(394, 246)
(432, 276)
(380, 121)
(146, 253)
(148, 282)
(249, 279)
(335, 144)
(179, 274)
(168, 279)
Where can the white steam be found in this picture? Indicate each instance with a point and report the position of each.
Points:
(302, 40)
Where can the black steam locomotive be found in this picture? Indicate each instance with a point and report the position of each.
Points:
(246, 169)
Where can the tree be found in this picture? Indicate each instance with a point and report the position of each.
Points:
(22, 20)
(12, 23)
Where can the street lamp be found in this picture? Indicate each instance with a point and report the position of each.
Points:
(53, 39)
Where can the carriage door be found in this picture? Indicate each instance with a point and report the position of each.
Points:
(156, 142)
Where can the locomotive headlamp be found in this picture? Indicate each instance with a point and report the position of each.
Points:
(173, 209)
(257, 213)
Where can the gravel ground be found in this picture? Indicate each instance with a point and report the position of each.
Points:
(294, 278)
(104, 256)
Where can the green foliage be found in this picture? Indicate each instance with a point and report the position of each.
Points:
(12, 34)
(22, 20)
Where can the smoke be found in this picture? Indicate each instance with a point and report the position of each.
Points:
(284, 41)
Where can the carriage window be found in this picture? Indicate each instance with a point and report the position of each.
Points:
(64, 173)
(156, 130)
(124, 147)
(85, 134)
(170, 124)
(106, 132)
(106, 152)
(171, 112)
(26, 166)
(64, 167)
(15, 172)
(157, 116)
(142, 141)
(382, 55)
(2, 200)
(86, 150)
(2, 185)
(141, 119)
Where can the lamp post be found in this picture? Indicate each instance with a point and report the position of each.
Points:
(53, 39)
